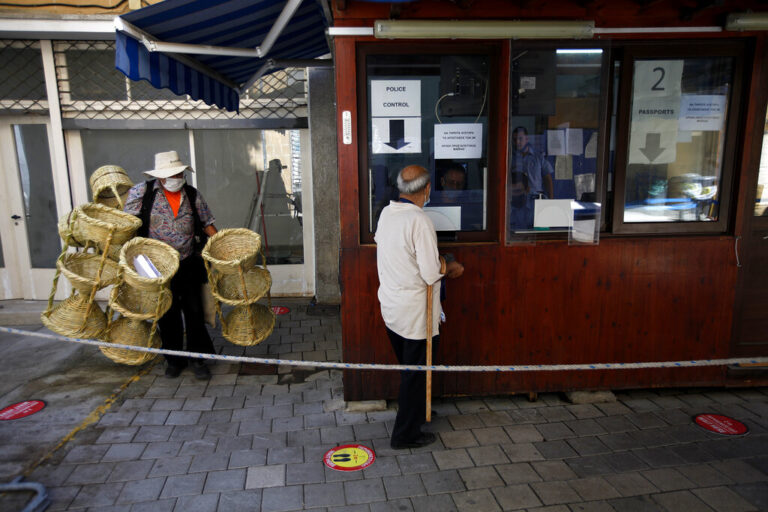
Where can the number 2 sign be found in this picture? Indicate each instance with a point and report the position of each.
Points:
(656, 94)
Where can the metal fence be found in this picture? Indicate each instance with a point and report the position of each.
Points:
(91, 88)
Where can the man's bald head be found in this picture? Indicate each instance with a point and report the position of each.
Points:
(412, 179)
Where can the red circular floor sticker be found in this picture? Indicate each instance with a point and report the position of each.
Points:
(721, 424)
(350, 457)
(280, 310)
(21, 409)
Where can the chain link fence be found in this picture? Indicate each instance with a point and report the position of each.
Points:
(91, 88)
(22, 81)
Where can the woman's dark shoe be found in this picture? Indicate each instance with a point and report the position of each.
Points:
(426, 438)
(173, 371)
(200, 369)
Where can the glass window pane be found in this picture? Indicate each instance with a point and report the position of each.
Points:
(554, 129)
(761, 197)
(230, 174)
(133, 150)
(677, 134)
(36, 177)
(430, 110)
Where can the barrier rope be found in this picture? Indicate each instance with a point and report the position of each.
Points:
(436, 368)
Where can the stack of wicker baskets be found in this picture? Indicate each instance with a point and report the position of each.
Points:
(139, 299)
(97, 229)
(231, 257)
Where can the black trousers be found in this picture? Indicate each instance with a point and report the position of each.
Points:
(411, 400)
(186, 289)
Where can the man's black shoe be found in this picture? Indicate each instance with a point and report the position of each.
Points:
(173, 371)
(426, 438)
(201, 370)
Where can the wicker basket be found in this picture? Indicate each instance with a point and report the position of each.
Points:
(231, 250)
(238, 329)
(128, 331)
(95, 222)
(228, 288)
(163, 256)
(81, 269)
(67, 318)
(110, 185)
(65, 230)
(139, 304)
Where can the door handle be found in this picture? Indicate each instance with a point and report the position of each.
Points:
(15, 217)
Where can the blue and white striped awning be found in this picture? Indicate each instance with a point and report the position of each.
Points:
(212, 50)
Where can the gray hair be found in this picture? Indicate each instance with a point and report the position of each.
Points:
(417, 184)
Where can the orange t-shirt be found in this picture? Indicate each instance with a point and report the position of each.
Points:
(174, 199)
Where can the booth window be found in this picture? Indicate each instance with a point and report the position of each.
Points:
(676, 147)
(761, 197)
(431, 109)
(557, 111)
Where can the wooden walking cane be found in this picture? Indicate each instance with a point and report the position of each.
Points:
(429, 353)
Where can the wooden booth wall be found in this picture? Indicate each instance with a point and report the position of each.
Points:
(627, 299)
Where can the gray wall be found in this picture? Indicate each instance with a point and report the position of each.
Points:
(325, 184)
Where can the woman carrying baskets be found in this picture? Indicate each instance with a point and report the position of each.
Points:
(175, 213)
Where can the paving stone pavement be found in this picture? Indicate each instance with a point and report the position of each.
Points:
(253, 439)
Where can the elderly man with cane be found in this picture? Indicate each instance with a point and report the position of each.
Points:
(409, 264)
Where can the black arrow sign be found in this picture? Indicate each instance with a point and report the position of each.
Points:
(397, 134)
(652, 148)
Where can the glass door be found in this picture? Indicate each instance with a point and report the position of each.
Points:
(28, 230)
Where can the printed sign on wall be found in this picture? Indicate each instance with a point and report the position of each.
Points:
(655, 111)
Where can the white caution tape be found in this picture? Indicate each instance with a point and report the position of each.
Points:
(436, 368)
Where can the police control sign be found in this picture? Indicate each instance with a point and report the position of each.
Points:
(396, 116)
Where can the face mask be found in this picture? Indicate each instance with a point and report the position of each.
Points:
(426, 201)
(173, 184)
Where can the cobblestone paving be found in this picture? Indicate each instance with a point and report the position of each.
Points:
(255, 442)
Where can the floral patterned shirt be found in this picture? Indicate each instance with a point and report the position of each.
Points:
(178, 231)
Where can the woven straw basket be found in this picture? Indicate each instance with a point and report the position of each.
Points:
(231, 250)
(163, 256)
(65, 230)
(140, 304)
(237, 327)
(95, 222)
(110, 185)
(228, 288)
(67, 318)
(80, 268)
(128, 331)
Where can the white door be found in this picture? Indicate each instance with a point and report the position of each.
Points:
(32, 198)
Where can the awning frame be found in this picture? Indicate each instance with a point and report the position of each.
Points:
(152, 44)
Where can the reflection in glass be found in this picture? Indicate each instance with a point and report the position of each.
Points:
(555, 102)
(677, 134)
(761, 197)
(231, 172)
(36, 177)
(133, 150)
(439, 121)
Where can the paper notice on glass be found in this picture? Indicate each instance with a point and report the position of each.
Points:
(704, 112)
(563, 167)
(555, 142)
(458, 140)
(591, 150)
(145, 268)
(445, 218)
(575, 139)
